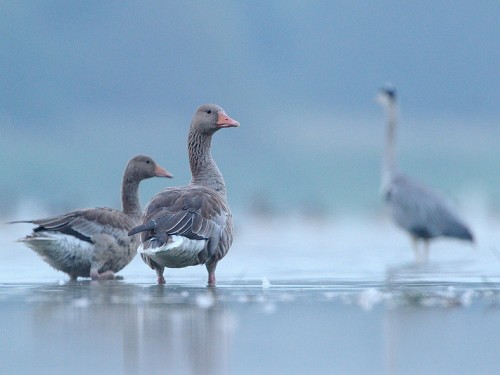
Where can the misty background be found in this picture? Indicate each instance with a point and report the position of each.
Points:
(86, 85)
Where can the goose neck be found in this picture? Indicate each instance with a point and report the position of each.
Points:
(204, 170)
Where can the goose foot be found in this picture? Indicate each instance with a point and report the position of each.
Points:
(108, 275)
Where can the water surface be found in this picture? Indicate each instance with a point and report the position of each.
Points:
(322, 300)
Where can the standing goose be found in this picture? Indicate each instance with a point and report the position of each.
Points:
(414, 208)
(190, 225)
(94, 241)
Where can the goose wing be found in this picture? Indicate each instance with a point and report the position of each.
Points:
(195, 212)
(86, 223)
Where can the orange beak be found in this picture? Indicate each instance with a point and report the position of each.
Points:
(160, 172)
(224, 121)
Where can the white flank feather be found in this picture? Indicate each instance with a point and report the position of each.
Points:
(177, 253)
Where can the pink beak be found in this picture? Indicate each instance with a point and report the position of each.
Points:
(224, 121)
(160, 172)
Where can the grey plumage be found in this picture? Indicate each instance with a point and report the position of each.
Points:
(415, 208)
(192, 224)
(94, 241)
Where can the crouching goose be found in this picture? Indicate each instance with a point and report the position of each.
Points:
(94, 241)
(190, 225)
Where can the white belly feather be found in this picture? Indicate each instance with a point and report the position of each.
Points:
(177, 253)
(62, 251)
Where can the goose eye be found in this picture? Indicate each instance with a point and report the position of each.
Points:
(148, 161)
(209, 111)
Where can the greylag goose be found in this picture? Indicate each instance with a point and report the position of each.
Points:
(190, 225)
(94, 241)
(415, 208)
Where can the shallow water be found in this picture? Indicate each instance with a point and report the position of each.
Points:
(332, 302)
(291, 327)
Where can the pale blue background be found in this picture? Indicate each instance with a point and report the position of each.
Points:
(85, 85)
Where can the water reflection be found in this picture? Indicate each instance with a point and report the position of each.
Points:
(191, 336)
(125, 329)
(283, 326)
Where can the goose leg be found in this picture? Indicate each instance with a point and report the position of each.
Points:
(211, 279)
(159, 274)
(94, 271)
(211, 273)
